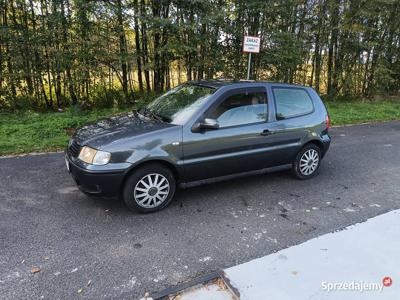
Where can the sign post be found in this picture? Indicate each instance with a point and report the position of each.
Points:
(249, 66)
(251, 44)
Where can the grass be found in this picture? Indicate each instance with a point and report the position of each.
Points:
(354, 112)
(37, 132)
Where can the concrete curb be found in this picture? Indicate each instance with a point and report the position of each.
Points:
(30, 154)
(202, 280)
(184, 285)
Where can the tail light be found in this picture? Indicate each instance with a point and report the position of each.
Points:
(328, 122)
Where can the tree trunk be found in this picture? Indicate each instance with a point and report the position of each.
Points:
(122, 49)
(25, 46)
(333, 44)
(158, 65)
(70, 81)
(137, 44)
(145, 52)
(318, 49)
(9, 63)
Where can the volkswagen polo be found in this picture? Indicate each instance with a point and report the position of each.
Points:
(200, 132)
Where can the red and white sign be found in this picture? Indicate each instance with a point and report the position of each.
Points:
(251, 44)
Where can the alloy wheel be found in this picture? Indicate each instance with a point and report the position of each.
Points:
(309, 162)
(151, 190)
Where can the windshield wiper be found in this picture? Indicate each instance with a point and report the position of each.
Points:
(151, 114)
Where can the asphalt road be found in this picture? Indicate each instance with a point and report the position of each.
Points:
(46, 222)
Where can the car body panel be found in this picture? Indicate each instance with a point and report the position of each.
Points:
(226, 151)
(106, 131)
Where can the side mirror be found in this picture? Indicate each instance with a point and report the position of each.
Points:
(209, 124)
(206, 124)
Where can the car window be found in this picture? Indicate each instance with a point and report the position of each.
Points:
(240, 109)
(179, 104)
(292, 102)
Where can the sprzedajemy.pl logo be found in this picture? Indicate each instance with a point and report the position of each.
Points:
(360, 286)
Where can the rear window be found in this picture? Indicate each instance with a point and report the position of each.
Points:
(292, 102)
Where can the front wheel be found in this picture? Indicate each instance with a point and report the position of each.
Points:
(307, 162)
(149, 188)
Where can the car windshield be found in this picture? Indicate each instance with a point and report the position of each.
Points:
(179, 104)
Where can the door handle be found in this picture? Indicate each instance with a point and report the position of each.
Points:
(266, 132)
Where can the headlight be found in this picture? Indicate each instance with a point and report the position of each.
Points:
(93, 156)
(101, 158)
(87, 154)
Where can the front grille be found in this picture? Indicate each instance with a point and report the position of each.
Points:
(74, 148)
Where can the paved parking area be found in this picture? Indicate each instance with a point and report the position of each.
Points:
(98, 249)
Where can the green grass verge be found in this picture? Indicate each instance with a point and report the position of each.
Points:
(31, 131)
(37, 132)
(342, 113)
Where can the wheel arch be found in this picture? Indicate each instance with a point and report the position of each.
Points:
(165, 163)
(317, 143)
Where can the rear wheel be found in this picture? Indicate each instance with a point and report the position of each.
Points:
(307, 162)
(149, 188)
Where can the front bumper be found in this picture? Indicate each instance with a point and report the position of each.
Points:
(104, 183)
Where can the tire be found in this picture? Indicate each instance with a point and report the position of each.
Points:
(307, 162)
(149, 188)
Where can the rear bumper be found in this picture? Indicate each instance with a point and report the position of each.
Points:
(326, 142)
(98, 183)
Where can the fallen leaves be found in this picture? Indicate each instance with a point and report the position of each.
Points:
(35, 270)
(80, 290)
(146, 296)
(70, 131)
(221, 284)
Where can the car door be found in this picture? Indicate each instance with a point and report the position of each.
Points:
(241, 143)
(291, 117)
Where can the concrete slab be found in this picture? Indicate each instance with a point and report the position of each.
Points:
(349, 264)
(215, 289)
(212, 291)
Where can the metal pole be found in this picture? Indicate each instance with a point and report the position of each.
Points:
(248, 67)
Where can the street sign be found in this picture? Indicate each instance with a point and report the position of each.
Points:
(251, 44)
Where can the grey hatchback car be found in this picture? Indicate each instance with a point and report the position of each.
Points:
(200, 132)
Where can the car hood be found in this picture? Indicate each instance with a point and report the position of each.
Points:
(107, 130)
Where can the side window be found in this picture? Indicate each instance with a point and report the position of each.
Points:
(240, 109)
(291, 102)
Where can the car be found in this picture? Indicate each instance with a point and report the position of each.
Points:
(200, 132)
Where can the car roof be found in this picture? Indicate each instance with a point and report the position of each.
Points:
(218, 83)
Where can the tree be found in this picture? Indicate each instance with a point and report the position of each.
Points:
(55, 53)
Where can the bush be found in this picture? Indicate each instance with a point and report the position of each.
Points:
(17, 103)
(107, 98)
(100, 98)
